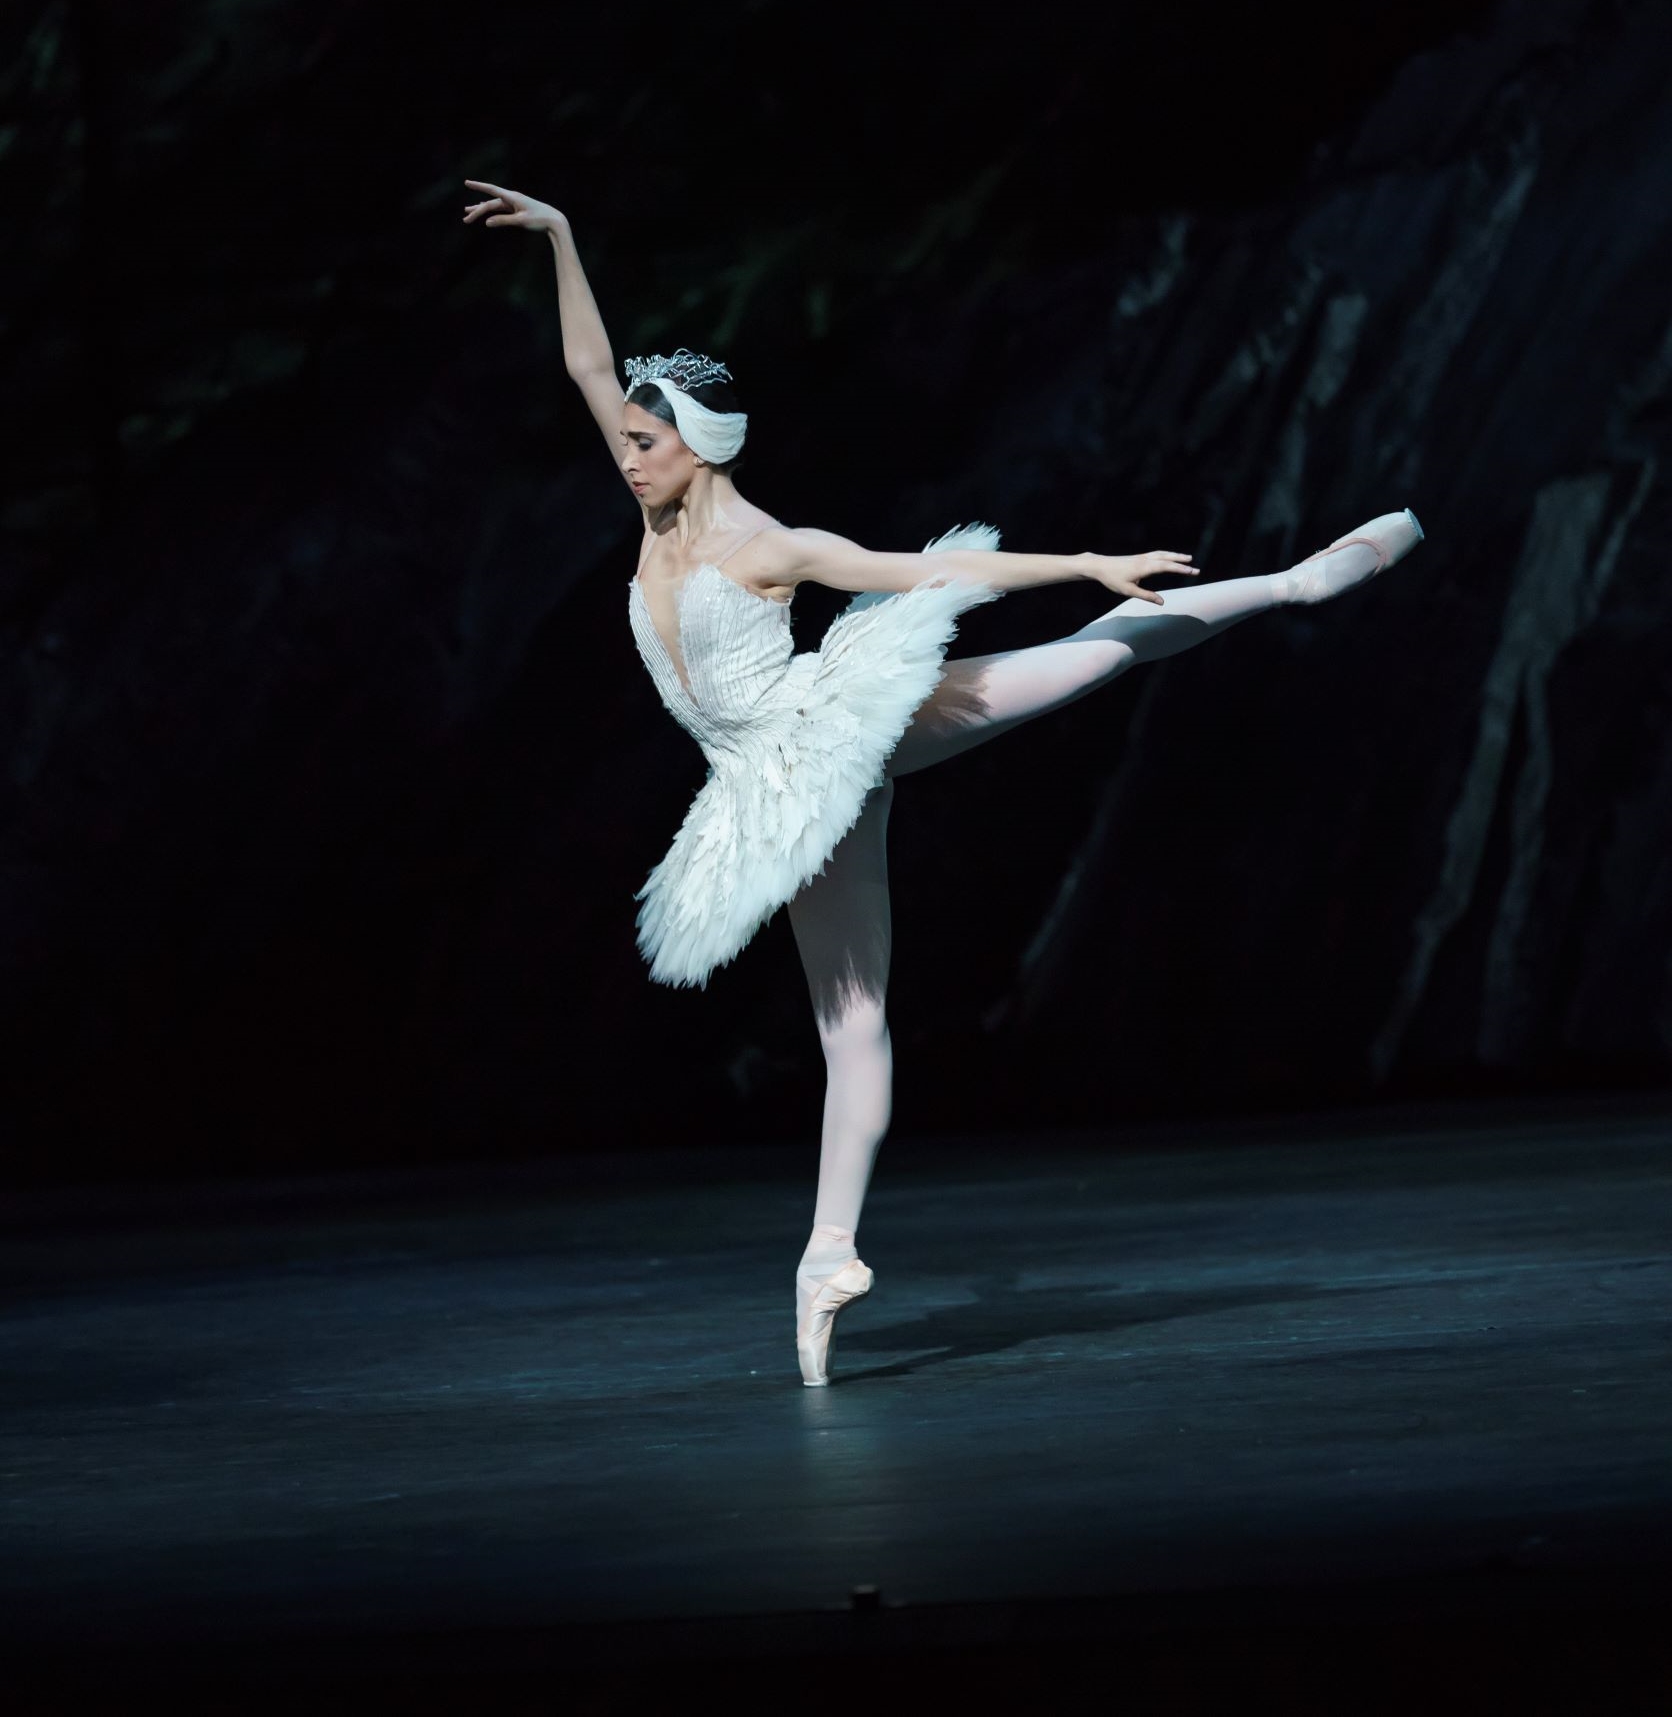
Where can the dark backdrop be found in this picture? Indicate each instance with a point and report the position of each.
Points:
(331, 769)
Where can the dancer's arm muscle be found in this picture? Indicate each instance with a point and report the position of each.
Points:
(825, 558)
(790, 556)
(586, 347)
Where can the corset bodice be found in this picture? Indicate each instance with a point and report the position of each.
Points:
(737, 651)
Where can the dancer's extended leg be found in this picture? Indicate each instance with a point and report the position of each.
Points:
(981, 696)
(843, 932)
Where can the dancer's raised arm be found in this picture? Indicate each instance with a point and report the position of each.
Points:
(586, 347)
(826, 558)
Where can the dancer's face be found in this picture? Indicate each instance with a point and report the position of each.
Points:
(653, 455)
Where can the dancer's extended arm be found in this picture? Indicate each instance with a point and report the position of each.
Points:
(792, 556)
(586, 347)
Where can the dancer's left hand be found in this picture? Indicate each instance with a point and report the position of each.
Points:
(1122, 573)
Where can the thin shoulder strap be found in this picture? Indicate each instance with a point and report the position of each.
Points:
(745, 538)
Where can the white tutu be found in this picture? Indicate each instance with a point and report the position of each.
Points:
(795, 743)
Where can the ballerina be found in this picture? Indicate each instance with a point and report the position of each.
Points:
(804, 748)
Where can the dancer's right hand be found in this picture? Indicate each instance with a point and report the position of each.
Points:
(513, 209)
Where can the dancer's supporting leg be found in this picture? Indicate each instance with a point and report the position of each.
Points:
(844, 933)
(841, 917)
(980, 697)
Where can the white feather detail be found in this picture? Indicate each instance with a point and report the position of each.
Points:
(795, 745)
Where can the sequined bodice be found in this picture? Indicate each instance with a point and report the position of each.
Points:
(737, 651)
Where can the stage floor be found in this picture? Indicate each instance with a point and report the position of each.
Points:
(1421, 1346)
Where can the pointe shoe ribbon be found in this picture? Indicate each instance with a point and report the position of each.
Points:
(812, 1337)
(1379, 549)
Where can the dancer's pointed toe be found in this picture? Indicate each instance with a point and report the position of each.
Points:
(817, 1326)
(1360, 555)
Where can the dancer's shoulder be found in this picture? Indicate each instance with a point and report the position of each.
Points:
(781, 553)
(815, 531)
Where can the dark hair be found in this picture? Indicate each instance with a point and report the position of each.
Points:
(717, 396)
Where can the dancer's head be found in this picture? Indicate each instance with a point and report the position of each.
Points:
(680, 417)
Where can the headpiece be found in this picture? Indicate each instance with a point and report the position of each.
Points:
(686, 369)
(712, 435)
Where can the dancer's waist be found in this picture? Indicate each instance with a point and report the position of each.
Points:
(752, 719)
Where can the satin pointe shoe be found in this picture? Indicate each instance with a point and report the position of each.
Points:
(812, 1335)
(1389, 537)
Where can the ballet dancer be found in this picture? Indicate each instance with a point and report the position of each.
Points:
(804, 748)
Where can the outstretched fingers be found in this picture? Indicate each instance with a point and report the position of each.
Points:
(504, 201)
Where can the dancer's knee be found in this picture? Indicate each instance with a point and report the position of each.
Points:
(859, 1069)
(859, 1034)
(1098, 655)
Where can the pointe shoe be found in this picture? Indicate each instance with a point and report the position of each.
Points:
(1390, 537)
(813, 1333)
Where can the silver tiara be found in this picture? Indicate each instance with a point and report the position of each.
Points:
(686, 370)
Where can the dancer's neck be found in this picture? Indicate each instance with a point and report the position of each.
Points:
(711, 507)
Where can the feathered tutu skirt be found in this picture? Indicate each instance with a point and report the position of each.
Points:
(794, 779)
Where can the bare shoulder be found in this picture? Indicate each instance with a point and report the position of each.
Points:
(770, 560)
(816, 534)
(775, 561)
(757, 561)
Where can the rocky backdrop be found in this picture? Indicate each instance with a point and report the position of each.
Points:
(330, 767)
